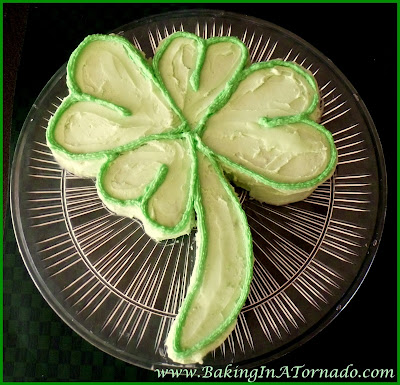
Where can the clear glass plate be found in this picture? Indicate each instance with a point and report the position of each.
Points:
(120, 290)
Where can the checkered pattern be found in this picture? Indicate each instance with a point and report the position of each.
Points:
(38, 346)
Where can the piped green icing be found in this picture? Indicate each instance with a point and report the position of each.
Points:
(76, 95)
(196, 199)
(202, 47)
(288, 186)
(238, 220)
(267, 122)
(136, 56)
(186, 222)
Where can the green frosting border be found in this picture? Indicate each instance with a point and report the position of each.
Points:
(199, 271)
(193, 136)
(268, 122)
(142, 201)
(76, 95)
(202, 45)
(303, 117)
(289, 186)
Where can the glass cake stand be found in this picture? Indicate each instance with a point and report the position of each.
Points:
(120, 290)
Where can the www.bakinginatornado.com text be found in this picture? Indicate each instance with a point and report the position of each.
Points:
(283, 373)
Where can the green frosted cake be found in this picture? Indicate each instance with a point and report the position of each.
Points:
(163, 138)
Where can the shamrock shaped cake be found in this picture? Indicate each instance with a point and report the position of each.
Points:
(164, 138)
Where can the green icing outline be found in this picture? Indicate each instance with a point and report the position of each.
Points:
(66, 104)
(143, 201)
(199, 271)
(268, 122)
(76, 95)
(202, 45)
(193, 136)
(284, 185)
(303, 117)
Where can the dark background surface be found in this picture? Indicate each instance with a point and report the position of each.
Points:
(359, 38)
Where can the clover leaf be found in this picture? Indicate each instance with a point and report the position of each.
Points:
(162, 138)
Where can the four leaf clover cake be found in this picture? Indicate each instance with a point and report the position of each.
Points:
(163, 138)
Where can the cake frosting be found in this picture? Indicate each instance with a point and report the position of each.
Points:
(195, 71)
(164, 139)
(154, 183)
(222, 272)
